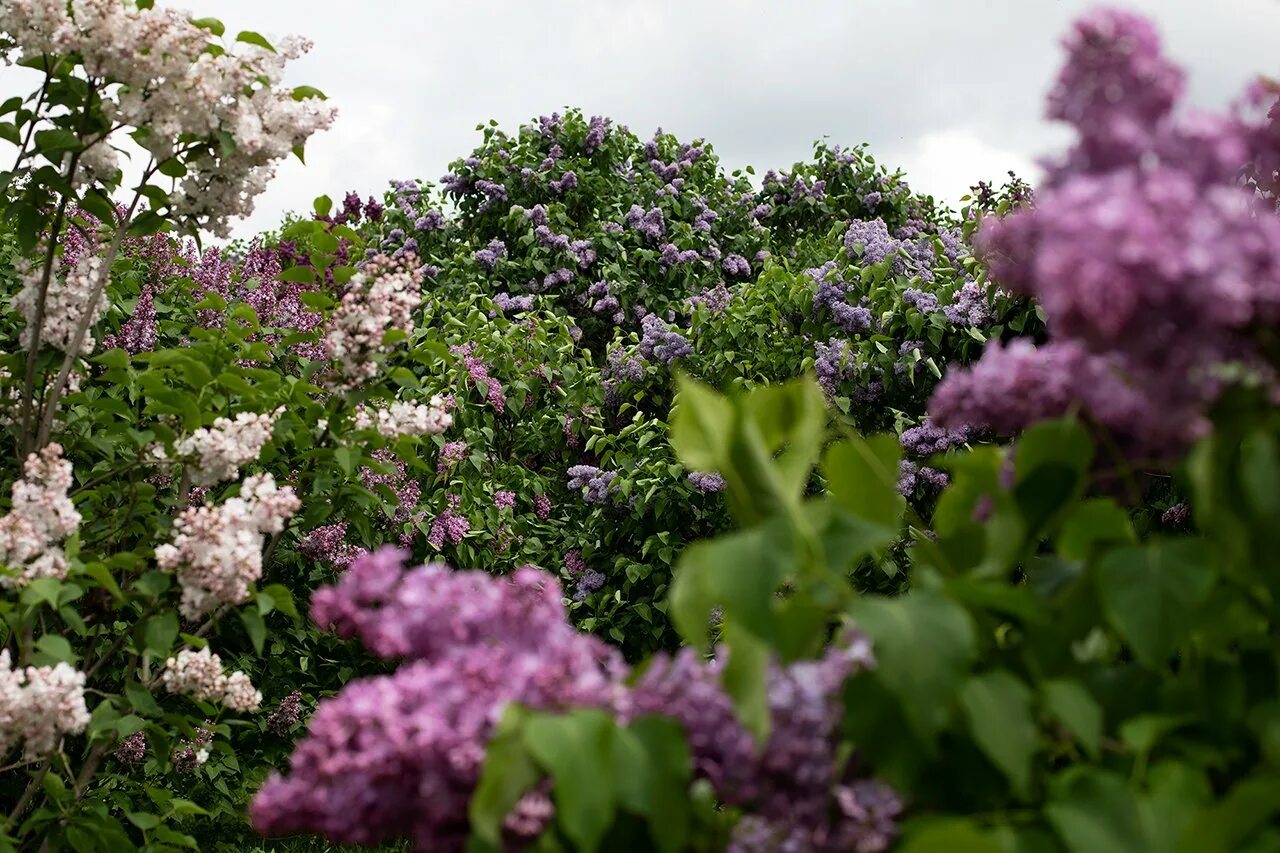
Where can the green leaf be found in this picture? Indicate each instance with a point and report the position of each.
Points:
(250, 37)
(301, 93)
(143, 820)
(213, 25)
(55, 142)
(1095, 521)
(1093, 811)
(946, 835)
(159, 632)
(739, 572)
(998, 707)
(862, 474)
(701, 423)
(147, 223)
(924, 643)
(1150, 594)
(1075, 709)
(576, 750)
(322, 205)
(508, 772)
(746, 680)
(652, 771)
(54, 649)
(283, 599)
(142, 700)
(257, 629)
(1224, 826)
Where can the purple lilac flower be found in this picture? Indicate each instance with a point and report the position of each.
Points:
(132, 750)
(373, 210)
(736, 266)
(588, 582)
(921, 300)
(1177, 516)
(509, 304)
(912, 476)
(138, 334)
(450, 455)
(597, 130)
(432, 220)
(870, 240)
(567, 181)
(649, 223)
(660, 342)
(593, 483)
(714, 299)
(541, 506)
(550, 239)
(504, 499)
(288, 712)
(448, 527)
(706, 482)
(328, 544)
(574, 564)
(478, 376)
(833, 364)
(969, 307)
(488, 257)
(475, 643)
(928, 439)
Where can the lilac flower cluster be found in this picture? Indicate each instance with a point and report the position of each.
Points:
(834, 364)
(1154, 266)
(671, 255)
(132, 750)
(832, 295)
(489, 256)
(288, 712)
(921, 300)
(912, 476)
(660, 342)
(736, 266)
(509, 304)
(706, 482)
(588, 582)
(593, 483)
(474, 643)
(138, 333)
(504, 499)
(597, 131)
(650, 223)
(448, 527)
(715, 299)
(328, 544)
(928, 439)
(605, 302)
(970, 307)
(478, 375)
(450, 455)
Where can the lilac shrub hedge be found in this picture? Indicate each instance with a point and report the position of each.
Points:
(1058, 677)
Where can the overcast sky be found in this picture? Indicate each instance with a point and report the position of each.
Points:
(951, 91)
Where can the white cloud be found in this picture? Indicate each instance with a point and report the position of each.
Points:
(952, 91)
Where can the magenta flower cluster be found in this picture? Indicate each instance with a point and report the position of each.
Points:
(1154, 264)
(399, 755)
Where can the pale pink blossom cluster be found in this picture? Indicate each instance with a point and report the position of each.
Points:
(42, 516)
(199, 674)
(381, 297)
(38, 705)
(162, 77)
(217, 550)
(67, 300)
(402, 418)
(217, 452)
